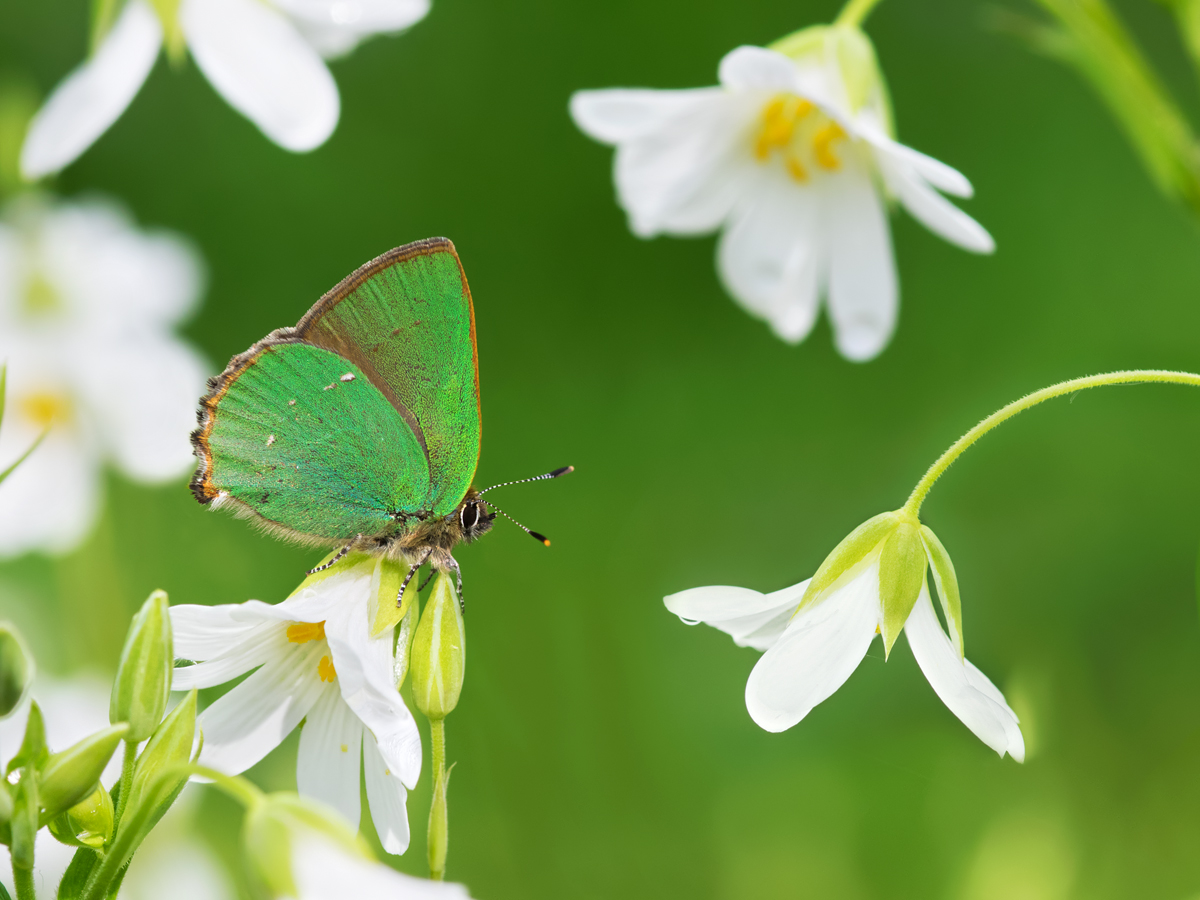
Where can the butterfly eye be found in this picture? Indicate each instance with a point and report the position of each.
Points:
(469, 516)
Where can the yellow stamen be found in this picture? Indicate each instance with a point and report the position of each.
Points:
(46, 408)
(303, 632)
(796, 169)
(326, 670)
(41, 297)
(821, 146)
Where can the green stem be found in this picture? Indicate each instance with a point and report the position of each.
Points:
(1137, 376)
(23, 882)
(438, 835)
(855, 12)
(244, 791)
(126, 782)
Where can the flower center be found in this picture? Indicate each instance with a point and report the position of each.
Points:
(326, 670)
(303, 632)
(41, 297)
(46, 408)
(801, 134)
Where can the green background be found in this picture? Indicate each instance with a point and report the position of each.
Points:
(603, 748)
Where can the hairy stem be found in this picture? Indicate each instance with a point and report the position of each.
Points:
(23, 882)
(855, 12)
(1136, 376)
(438, 826)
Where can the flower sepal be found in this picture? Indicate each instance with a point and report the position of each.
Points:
(855, 548)
(848, 48)
(70, 776)
(901, 577)
(273, 825)
(153, 789)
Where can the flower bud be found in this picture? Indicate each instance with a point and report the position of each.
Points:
(169, 747)
(439, 652)
(89, 823)
(16, 669)
(70, 776)
(272, 827)
(139, 693)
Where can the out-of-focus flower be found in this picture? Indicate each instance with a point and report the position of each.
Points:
(87, 307)
(793, 157)
(315, 657)
(815, 633)
(73, 709)
(263, 56)
(301, 850)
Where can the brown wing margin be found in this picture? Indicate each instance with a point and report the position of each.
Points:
(201, 483)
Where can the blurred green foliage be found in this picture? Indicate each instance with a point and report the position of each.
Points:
(603, 748)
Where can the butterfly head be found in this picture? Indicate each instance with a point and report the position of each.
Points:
(474, 519)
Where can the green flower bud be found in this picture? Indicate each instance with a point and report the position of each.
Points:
(16, 669)
(169, 747)
(439, 652)
(70, 776)
(853, 549)
(139, 693)
(89, 823)
(272, 825)
(901, 575)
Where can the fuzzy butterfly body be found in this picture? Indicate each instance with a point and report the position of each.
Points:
(360, 427)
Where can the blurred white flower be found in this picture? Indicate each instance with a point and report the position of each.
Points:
(810, 651)
(315, 658)
(170, 863)
(792, 157)
(263, 56)
(87, 306)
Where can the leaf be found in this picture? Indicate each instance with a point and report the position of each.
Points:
(33, 750)
(76, 876)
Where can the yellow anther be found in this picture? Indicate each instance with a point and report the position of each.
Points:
(822, 150)
(796, 169)
(303, 632)
(326, 670)
(46, 408)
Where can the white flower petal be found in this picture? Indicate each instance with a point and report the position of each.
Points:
(817, 652)
(943, 177)
(365, 677)
(757, 68)
(51, 501)
(934, 211)
(261, 65)
(266, 642)
(863, 294)
(750, 618)
(770, 255)
(387, 798)
(621, 114)
(963, 688)
(357, 18)
(330, 748)
(203, 632)
(325, 871)
(249, 722)
(92, 97)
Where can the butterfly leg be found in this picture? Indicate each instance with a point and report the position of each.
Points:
(412, 570)
(341, 554)
(462, 603)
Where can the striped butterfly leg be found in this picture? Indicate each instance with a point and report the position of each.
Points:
(462, 603)
(412, 570)
(341, 554)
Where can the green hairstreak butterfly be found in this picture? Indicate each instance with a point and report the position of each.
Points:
(360, 427)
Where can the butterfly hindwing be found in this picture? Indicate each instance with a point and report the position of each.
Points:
(304, 439)
(406, 320)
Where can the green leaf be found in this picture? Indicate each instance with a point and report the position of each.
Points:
(901, 576)
(946, 582)
(33, 751)
(76, 876)
(852, 549)
(143, 682)
(70, 776)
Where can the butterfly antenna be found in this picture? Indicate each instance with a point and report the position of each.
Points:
(539, 537)
(565, 470)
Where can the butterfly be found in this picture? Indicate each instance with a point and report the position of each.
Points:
(360, 427)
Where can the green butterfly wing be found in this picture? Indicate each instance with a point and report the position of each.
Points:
(369, 408)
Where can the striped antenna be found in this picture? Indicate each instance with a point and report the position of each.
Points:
(533, 534)
(565, 470)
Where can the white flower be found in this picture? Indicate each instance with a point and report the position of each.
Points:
(791, 157)
(170, 863)
(87, 307)
(315, 658)
(263, 56)
(811, 651)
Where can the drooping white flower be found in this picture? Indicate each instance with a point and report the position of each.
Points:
(792, 158)
(88, 304)
(815, 635)
(263, 56)
(170, 863)
(316, 659)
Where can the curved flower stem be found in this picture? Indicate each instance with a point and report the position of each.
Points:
(126, 780)
(438, 825)
(855, 12)
(241, 789)
(1136, 376)
(23, 882)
